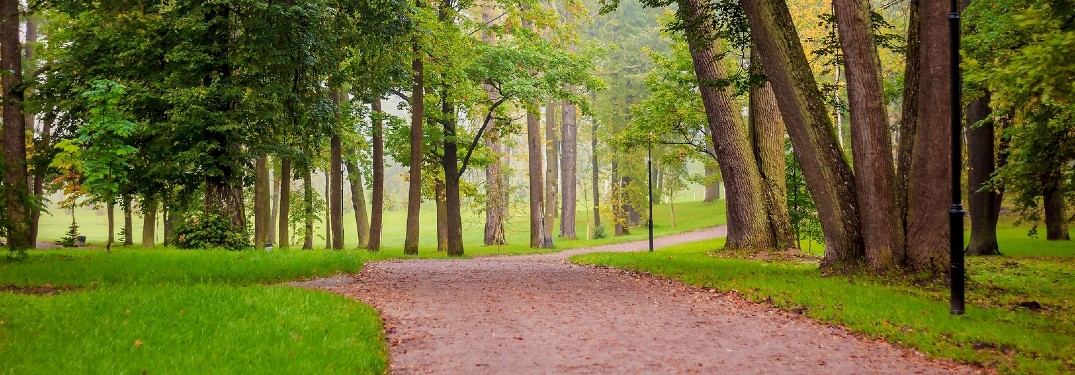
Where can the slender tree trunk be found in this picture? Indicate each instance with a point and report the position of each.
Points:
(274, 209)
(595, 177)
(450, 163)
(378, 178)
(748, 225)
(285, 204)
(767, 133)
(335, 175)
(552, 144)
(442, 215)
(358, 200)
(538, 239)
(927, 212)
(308, 209)
(908, 122)
(984, 200)
(802, 106)
(110, 209)
(169, 213)
(149, 224)
(871, 141)
(38, 189)
(261, 201)
(128, 226)
(618, 215)
(328, 212)
(496, 205)
(712, 189)
(16, 190)
(569, 162)
(414, 193)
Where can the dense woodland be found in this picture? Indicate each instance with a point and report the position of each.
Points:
(823, 121)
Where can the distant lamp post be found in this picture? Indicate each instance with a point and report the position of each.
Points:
(649, 180)
(955, 211)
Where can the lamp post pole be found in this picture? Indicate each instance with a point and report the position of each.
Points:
(955, 211)
(649, 179)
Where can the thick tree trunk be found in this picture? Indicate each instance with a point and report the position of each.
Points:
(767, 135)
(538, 239)
(378, 178)
(928, 188)
(1056, 227)
(552, 145)
(149, 224)
(450, 163)
(308, 209)
(748, 225)
(335, 175)
(128, 226)
(442, 215)
(261, 201)
(908, 121)
(595, 177)
(984, 200)
(871, 141)
(16, 190)
(827, 173)
(358, 200)
(225, 201)
(285, 204)
(569, 161)
(414, 192)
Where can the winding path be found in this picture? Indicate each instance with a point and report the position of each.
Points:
(541, 314)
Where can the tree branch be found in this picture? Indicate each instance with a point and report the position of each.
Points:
(478, 136)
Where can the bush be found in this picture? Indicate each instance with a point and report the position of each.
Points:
(209, 232)
(599, 232)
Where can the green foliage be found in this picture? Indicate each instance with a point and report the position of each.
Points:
(69, 238)
(599, 232)
(801, 209)
(210, 231)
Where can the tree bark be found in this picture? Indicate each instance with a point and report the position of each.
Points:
(149, 224)
(908, 122)
(414, 192)
(569, 161)
(748, 225)
(552, 145)
(442, 215)
(984, 200)
(335, 175)
(871, 141)
(128, 226)
(110, 210)
(358, 200)
(285, 204)
(308, 209)
(538, 239)
(378, 178)
(595, 177)
(274, 208)
(1056, 227)
(827, 173)
(328, 212)
(496, 205)
(619, 219)
(928, 188)
(767, 135)
(450, 164)
(261, 201)
(17, 192)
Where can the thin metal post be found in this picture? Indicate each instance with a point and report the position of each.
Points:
(649, 178)
(955, 211)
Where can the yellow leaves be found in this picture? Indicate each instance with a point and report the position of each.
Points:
(138, 343)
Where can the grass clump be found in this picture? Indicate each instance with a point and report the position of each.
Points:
(994, 332)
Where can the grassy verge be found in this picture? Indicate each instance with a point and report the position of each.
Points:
(994, 332)
(184, 312)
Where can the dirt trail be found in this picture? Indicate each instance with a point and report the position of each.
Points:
(539, 314)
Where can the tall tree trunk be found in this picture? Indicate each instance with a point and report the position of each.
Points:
(335, 175)
(149, 223)
(378, 178)
(552, 145)
(748, 226)
(442, 215)
(871, 141)
(328, 212)
(261, 201)
(225, 200)
(110, 210)
(569, 161)
(496, 205)
(595, 177)
(38, 188)
(128, 226)
(908, 121)
(984, 200)
(538, 239)
(802, 106)
(16, 190)
(169, 215)
(1056, 227)
(619, 219)
(767, 134)
(274, 209)
(450, 163)
(414, 192)
(285, 204)
(927, 212)
(308, 209)
(358, 200)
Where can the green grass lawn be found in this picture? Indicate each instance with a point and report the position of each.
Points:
(176, 311)
(994, 332)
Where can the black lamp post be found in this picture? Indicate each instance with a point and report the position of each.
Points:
(649, 182)
(955, 211)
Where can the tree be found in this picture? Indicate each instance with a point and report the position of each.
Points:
(15, 192)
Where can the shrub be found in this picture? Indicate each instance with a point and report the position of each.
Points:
(599, 232)
(209, 232)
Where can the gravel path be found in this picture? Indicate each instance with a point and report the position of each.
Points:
(540, 314)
